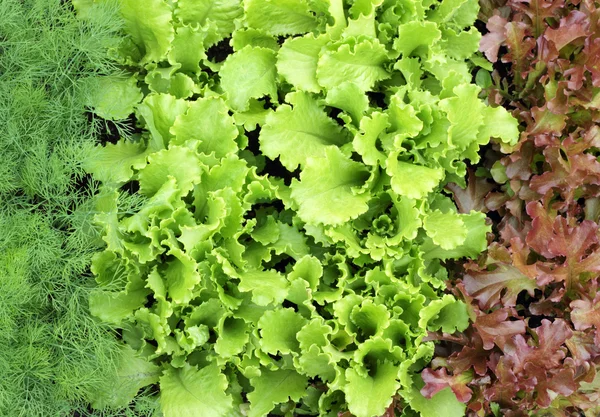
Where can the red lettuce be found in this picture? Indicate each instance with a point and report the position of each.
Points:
(534, 346)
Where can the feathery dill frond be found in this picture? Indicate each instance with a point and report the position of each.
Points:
(53, 354)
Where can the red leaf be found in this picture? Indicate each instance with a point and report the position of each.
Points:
(517, 353)
(582, 347)
(520, 45)
(435, 381)
(551, 338)
(567, 175)
(555, 237)
(585, 314)
(490, 43)
(473, 355)
(561, 382)
(472, 197)
(494, 329)
(546, 122)
(571, 168)
(501, 284)
(505, 389)
(589, 264)
(541, 229)
(518, 165)
(572, 242)
(538, 11)
(575, 25)
(592, 51)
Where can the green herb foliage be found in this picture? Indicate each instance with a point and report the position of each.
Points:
(287, 257)
(53, 354)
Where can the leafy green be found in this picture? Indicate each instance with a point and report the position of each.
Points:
(286, 258)
(282, 17)
(370, 395)
(298, 133)
(361, 63)
(327, 192)
(274, 387)
(189, 392)
(256, 80)
(148, 24)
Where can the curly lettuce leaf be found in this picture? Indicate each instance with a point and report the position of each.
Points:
(328, 190)
(188, 391)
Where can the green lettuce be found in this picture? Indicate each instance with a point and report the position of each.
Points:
(287, 256)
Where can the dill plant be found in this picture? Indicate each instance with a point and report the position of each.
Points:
(54, 357)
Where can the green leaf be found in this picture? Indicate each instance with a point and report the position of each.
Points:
(364, 7)
(369, 104)
(295, 134)
(230, 173)
(447, 314)
(114, 98)
(181, 276)
(362, 25)
(499, 124)
(278, 329)
(327, 192)
(209, 313)
(369, 319)
(411, 180)
(290, 241)
(249, 73)
(368, 142)
(409, 215)
(267, 287)
(187, 48)
(180, 163)
(473, 245)
(369, 395)
(315, 363)
(460, 12)
(253, 37)
(159, 79)
(461, 45)
(114, 307)
(280, 17)
(222, 13)
(361, 64)
(114, 163)
(465, 113)
(159, 111)
(256, 115)
(309, 269)
(181, 86)
(274, 387)
(233, 336)
(208, 121)
(416, 38)
(297, 61)
(411, 71)
(348, 97)
(133, 373)
(403, 118)
(316, 332)
(447, 230)
(164, 202)
(149, 24)
(268, 232)
(443, 400)
(189, 392)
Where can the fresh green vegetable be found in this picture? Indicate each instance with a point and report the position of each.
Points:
(287, 254)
